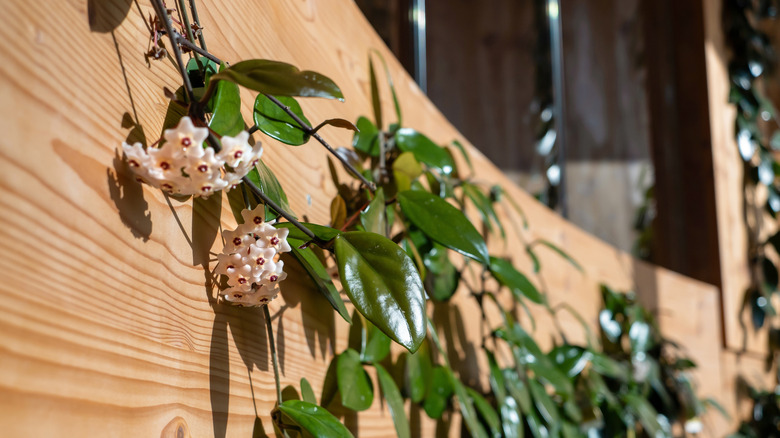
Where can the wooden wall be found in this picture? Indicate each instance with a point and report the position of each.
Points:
(109, 319)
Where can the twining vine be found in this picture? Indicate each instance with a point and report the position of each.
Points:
(400, 237)
(753, 59)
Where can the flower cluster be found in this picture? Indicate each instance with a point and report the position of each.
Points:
(250, 260)
(184, 166)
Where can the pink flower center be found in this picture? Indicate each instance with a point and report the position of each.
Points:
(260, 261)
(230, 268)
(133, 163)
(242, 280)
(274, 240)
(257, 220)
(237, 295)
(264, 300)
(203, 168)
(273, 278)
(205, 189)
(165, 165)
(237, 154)
(186, 141)
(237, 241)
(167, 186)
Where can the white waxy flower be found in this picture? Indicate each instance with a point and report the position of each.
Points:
(273, 237)
(250, 260)
(236, 149)
(237, 241)
(187, 137)
(183, 166)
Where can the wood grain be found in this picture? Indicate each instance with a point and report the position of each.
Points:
(108, 313)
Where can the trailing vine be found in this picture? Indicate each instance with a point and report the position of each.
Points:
(758, 139)
(400, 238)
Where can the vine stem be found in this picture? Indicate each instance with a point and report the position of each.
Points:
(162, 14)
(274, 358)
(303, 125)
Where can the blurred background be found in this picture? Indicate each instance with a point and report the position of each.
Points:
(598, 107)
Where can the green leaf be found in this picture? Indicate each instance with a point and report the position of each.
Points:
(466, 405)
(443, 223)
(306, 392)
(486, 412)
(484, 206)
(534, 259)
(570, 359)
(375, 101)
(507, 275)
(321, 231)
(439, 393)
(226, 107)
(561, 253)
(645, 412)
(357, 391)
(406, 169)
(383, 284)
(366, 140)
(640, 336)
(511, 422)
(518, 390)
(319, 274)
(392, 89)
(276, 123)
(265, 179)
(377, 345)
(394, 402)
(314, 419)
(443, 278)
(418, 373)
(605, 365)
(425, 150)
(330, 385)
(373, 217)
(496, 376)
(544, 404)
(463, 152)
(279, 79)
(336, 123)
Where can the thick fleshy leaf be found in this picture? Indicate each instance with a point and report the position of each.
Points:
(330, 385)
(337, 123)
(511, 423)
(276, 123)
(609, 326)
(487, 412)
(367, 139)
(443, 278)
(466, 405)
(496, 376)
(406, 169)
(394, 402)
(375, 100)
(321, 231)
(338, 212)
(570, 359)
(506, 274)
(314, 419)
(357, 391)
(265, 179)
(319, 274)
(392, 91)
(439, 393)
(377, 345)
(640, 336)
(485, 207)
(645, 412)
(280, 79)
(425, 150)
(226, 107)
(529, 354)
(383, 284)
(544, 404)
(373, 217)
(418, 373)
(430, 214)
(306, 392)
(463, 152)
(609, 367)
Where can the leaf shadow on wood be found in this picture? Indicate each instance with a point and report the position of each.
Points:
(105, 16)
(448, 319)
(128, 197)
(317, 315)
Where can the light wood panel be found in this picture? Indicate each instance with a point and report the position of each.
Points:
(108, 313)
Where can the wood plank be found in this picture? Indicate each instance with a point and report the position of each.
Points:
(110, 321)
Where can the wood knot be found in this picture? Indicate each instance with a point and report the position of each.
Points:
(177, 428)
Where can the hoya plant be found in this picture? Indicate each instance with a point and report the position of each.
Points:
(401, 239)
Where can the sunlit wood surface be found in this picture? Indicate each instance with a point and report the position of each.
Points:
(108, 315)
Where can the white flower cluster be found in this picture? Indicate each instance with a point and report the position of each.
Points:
(183, 166)
(250, 260)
